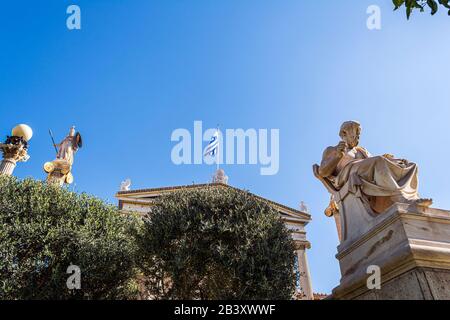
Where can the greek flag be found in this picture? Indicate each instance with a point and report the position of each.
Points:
(213, 145)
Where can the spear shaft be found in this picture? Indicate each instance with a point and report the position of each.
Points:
(53, 140)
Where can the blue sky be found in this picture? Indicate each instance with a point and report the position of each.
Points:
(140, 69)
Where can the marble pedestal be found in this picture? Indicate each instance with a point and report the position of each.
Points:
(410, 245)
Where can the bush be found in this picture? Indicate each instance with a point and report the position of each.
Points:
(44, 229)
(216, 243)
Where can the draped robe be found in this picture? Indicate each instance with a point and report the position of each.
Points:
(377, 176)
(67, 149)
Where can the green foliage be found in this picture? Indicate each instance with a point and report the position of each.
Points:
(420, 5)
(45, 228)
(216, 243)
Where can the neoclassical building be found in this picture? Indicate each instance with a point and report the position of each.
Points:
(140, 201)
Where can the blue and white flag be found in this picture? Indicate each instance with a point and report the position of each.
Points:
(213, 145)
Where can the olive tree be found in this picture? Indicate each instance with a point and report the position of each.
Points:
(44, 229)
(215, 242)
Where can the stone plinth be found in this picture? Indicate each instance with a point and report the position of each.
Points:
(410, 244)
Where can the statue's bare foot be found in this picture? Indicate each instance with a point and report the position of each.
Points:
(424, 202)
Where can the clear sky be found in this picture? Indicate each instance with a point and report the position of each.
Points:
(139, 69)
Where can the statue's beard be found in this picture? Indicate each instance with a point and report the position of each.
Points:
(353, 143)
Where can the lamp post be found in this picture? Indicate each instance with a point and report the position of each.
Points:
(15, 148)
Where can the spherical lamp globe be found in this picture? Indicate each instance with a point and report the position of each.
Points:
(24, 131)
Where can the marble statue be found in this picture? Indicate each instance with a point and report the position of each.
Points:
(69, 146)
(382, 221)
(125, 185)
(59, 170)
(220, 177)
(304, 207)
(383, 180)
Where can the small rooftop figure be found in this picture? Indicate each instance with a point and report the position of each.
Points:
(304, 207)
(125, 185)
(220, 177)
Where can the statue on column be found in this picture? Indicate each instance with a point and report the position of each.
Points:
(15, 148)
(376, 182)
(60, 170)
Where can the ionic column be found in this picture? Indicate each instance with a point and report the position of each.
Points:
(58, 172)
(303, 270)
(56, 177)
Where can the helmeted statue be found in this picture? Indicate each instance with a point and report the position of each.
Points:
(69, 146)
(60, 169)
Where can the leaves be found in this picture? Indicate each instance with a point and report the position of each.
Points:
(411, 5)
(433, 5)
(398, 3)
(45, 228)
(215, 243)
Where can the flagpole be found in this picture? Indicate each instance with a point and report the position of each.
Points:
(218, 148)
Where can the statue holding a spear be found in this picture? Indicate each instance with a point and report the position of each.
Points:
(59, 170)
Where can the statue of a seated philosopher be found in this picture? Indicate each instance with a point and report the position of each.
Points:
(379, 181)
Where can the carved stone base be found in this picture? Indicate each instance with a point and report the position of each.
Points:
(410, 244)
(416, 284)
(7, 166)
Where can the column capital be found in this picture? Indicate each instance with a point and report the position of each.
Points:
(15, 149)
(302, 245)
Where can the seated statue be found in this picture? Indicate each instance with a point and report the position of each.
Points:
(381, 180)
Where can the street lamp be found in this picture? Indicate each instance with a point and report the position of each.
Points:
(15, 148)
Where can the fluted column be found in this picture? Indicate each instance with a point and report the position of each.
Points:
(303, 270)
(7, 166)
